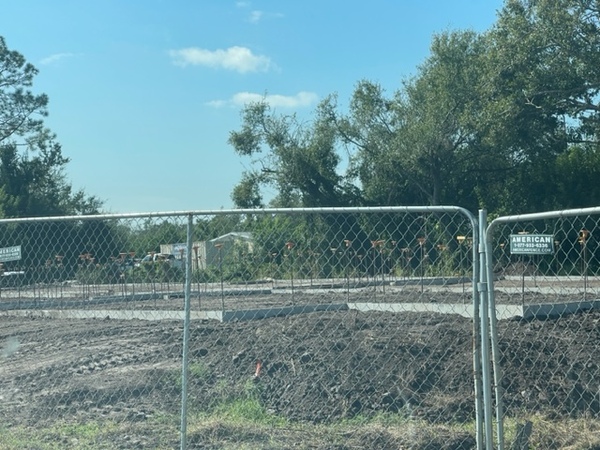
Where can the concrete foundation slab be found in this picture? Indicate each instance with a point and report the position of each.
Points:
(503, 312)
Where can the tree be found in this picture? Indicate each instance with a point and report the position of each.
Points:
(300, 161)
(32, 179)
(368, 132)
(421, 145)
(546, 53)
(541, 99)
(20, 109)
(502, 120)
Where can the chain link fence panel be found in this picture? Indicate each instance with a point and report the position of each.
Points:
(546, 290)
(308, 329)
(87, 361)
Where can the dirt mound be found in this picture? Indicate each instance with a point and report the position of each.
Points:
(326, 367)
(316, 368)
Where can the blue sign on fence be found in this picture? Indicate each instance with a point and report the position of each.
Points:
(532, 244)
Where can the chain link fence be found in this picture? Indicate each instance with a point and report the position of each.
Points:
(241, 329)
(546, 272)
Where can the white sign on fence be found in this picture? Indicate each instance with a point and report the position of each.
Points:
(10, 253)
(532, 244)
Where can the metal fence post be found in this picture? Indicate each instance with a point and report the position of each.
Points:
(485, 344)
(186, 333)
(556, 288)
(475, 273)
(489, 262)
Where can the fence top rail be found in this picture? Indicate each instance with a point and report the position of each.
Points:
(264, 211)
(541, 216)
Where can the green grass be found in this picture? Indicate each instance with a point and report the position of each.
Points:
(197, 372)
(58, 436)
(244, 407)
(161, 431)
(243, 423)
(566, 434)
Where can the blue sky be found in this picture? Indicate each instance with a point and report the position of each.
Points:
(143, 93)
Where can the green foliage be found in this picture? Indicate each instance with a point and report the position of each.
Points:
(506, 120)
(242, 404)
(80, 436)
(301, 162)
(148, 237)
(239, 264)
(198, 372)
(111, 273)
(32, 180)
(247, 192)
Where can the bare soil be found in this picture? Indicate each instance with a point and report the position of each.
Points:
(311, 369)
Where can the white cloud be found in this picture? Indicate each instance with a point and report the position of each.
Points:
(255, 16)
(300, 100)
(240, 59)
(55, 58)
(217, 103)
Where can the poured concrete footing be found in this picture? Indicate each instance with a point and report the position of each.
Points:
(503, 312)
(221, 316)
(431, 281)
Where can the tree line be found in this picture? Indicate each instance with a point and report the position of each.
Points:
(33, 181)
(505, 120)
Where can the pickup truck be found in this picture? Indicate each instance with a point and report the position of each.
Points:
(159, 257)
